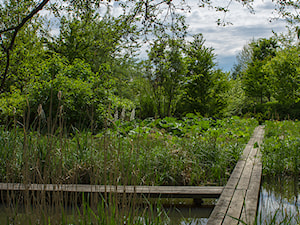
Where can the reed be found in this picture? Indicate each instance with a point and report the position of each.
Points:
(280, 151)
(192, 151)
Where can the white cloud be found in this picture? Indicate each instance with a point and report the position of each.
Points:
(228, 41)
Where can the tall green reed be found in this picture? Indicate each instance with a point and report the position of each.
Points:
(280, 151)
(191, 152)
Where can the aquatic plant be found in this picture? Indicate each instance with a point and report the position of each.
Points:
(280, 151)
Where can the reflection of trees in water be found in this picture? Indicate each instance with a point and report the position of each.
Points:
(279, 198)
(283, 187)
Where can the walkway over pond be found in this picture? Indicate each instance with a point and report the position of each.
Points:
(194, 192)
(239, 199)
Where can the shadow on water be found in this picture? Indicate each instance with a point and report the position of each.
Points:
(279, 201)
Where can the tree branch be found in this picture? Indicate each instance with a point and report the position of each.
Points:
(16, 29)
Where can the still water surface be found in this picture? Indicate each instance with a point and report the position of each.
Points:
(279, 201)
(177, 211)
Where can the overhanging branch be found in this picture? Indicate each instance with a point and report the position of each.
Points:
(15, 30)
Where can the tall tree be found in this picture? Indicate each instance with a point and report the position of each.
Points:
(14, 16)
(147, 15)
(167, 74)
(97, 41)
(199, 78)
(255, 80)
(285, 75)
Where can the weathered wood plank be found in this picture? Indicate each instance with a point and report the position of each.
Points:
(235, 208)
(178, 191)
(220, 210)
(251, 200)
(247, 171)
(239, 199)
(236, 174)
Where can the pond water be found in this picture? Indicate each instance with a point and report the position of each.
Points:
(177, 211)
(279, 201)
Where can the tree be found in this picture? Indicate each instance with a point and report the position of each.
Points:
(97, 41)
(289, 11)
(23, 11)
(25, 59)
(255, 81)
(285, 76)
(198, 81)
(243, 59)
(167, 74)
(147, 16)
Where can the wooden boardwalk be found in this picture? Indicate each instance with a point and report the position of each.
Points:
(149, 191)
(239, 199)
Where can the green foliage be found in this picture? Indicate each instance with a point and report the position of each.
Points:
(146, 102)
(236, 98)
(199, 80)
(12, 105)
(19, 9)
(183, 80)
(256, 81)
(165, 74)
(284, 71)
(280, 152)
(72, 83)
(96, 41)
(167, 151)
(24, 60)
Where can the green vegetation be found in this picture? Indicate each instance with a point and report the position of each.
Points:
(267, 77)
(191, 151)
(78, 105)
(280, 152)
(92, 61)
(280, 159)
(168, 151)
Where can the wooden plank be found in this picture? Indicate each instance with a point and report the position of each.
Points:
(220, 210)
(252, 196)
(251, 200)
(240, 196)
(236, 174)
(235, 209)
(246, 174)
(168, 191)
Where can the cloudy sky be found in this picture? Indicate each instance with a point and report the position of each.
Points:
(228, 41)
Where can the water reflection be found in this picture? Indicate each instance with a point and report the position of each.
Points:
(279, 201)
(193, 216)
(176, 211)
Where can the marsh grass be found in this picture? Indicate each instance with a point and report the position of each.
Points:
(154, 158)
(280, 151)
(281, 165)
(192, 151)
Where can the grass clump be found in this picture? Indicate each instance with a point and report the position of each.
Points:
(280, 151)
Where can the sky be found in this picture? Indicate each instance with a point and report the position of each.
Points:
(228, 41)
